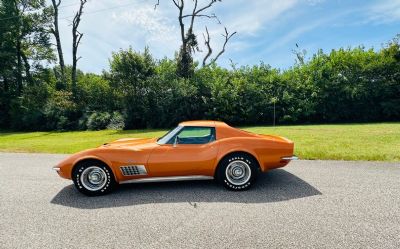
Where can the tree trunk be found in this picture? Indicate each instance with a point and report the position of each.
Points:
(73, 74)
(19, 67)
(56, 34)
(6, 86)
(27, 68)
(76, 38)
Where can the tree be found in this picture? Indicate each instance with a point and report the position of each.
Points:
(188, 37)
(32, 42)
(129, 75)
(76, 38)
(24, 45)
(207, 40)
(7, 60)
(55, 31)
(300, 54)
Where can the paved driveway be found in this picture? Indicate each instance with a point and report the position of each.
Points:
(309, 204)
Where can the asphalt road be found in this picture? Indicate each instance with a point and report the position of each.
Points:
(309, 204)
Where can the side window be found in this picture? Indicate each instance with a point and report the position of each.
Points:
(195, 135)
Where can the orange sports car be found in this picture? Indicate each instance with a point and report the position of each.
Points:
(192, 150)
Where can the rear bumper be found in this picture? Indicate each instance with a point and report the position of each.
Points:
(289, 158)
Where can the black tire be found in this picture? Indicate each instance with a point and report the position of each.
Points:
(85, 174)
(244, 165)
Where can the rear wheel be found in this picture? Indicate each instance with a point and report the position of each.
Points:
(93, 178)
(237, 172)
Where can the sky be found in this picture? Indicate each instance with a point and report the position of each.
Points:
(267, 30)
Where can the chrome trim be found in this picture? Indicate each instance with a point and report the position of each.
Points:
(168, 179)
(289, 158)
(238, 172)
(170, 134)
(93, 178)
(57, 169)
(131, 170)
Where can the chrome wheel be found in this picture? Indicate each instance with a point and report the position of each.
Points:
(238, 172)
(93, 178)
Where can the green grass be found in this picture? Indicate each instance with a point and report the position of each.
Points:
(372, 142)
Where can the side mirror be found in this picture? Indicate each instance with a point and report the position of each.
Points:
(176, 141)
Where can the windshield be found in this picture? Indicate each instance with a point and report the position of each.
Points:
(164, 139)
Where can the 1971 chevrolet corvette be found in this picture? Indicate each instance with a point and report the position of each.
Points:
(192, 150)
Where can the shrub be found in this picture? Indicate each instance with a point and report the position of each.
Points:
(61, 112)
(98, 120)
(117, 122)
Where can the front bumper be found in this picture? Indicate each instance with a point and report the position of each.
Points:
(61, 172)
(57, 169)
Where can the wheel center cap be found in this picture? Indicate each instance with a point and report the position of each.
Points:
(94, 178)
(237, 172)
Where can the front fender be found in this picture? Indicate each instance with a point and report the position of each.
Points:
(66, 166)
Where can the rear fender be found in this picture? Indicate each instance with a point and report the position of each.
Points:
(226, 150)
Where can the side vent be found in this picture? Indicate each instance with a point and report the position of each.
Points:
(132, 170)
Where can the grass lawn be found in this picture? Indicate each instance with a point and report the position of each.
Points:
(372, 142)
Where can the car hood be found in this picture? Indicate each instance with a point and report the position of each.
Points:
(132, 143)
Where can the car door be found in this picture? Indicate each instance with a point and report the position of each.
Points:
(190, 152)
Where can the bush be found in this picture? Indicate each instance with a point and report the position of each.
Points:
(61, 112)
(117, 122)
(98, 120)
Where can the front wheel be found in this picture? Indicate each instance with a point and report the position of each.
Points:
(237, 172)
(93, 178)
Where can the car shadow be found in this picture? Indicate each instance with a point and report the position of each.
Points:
(275, 186)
